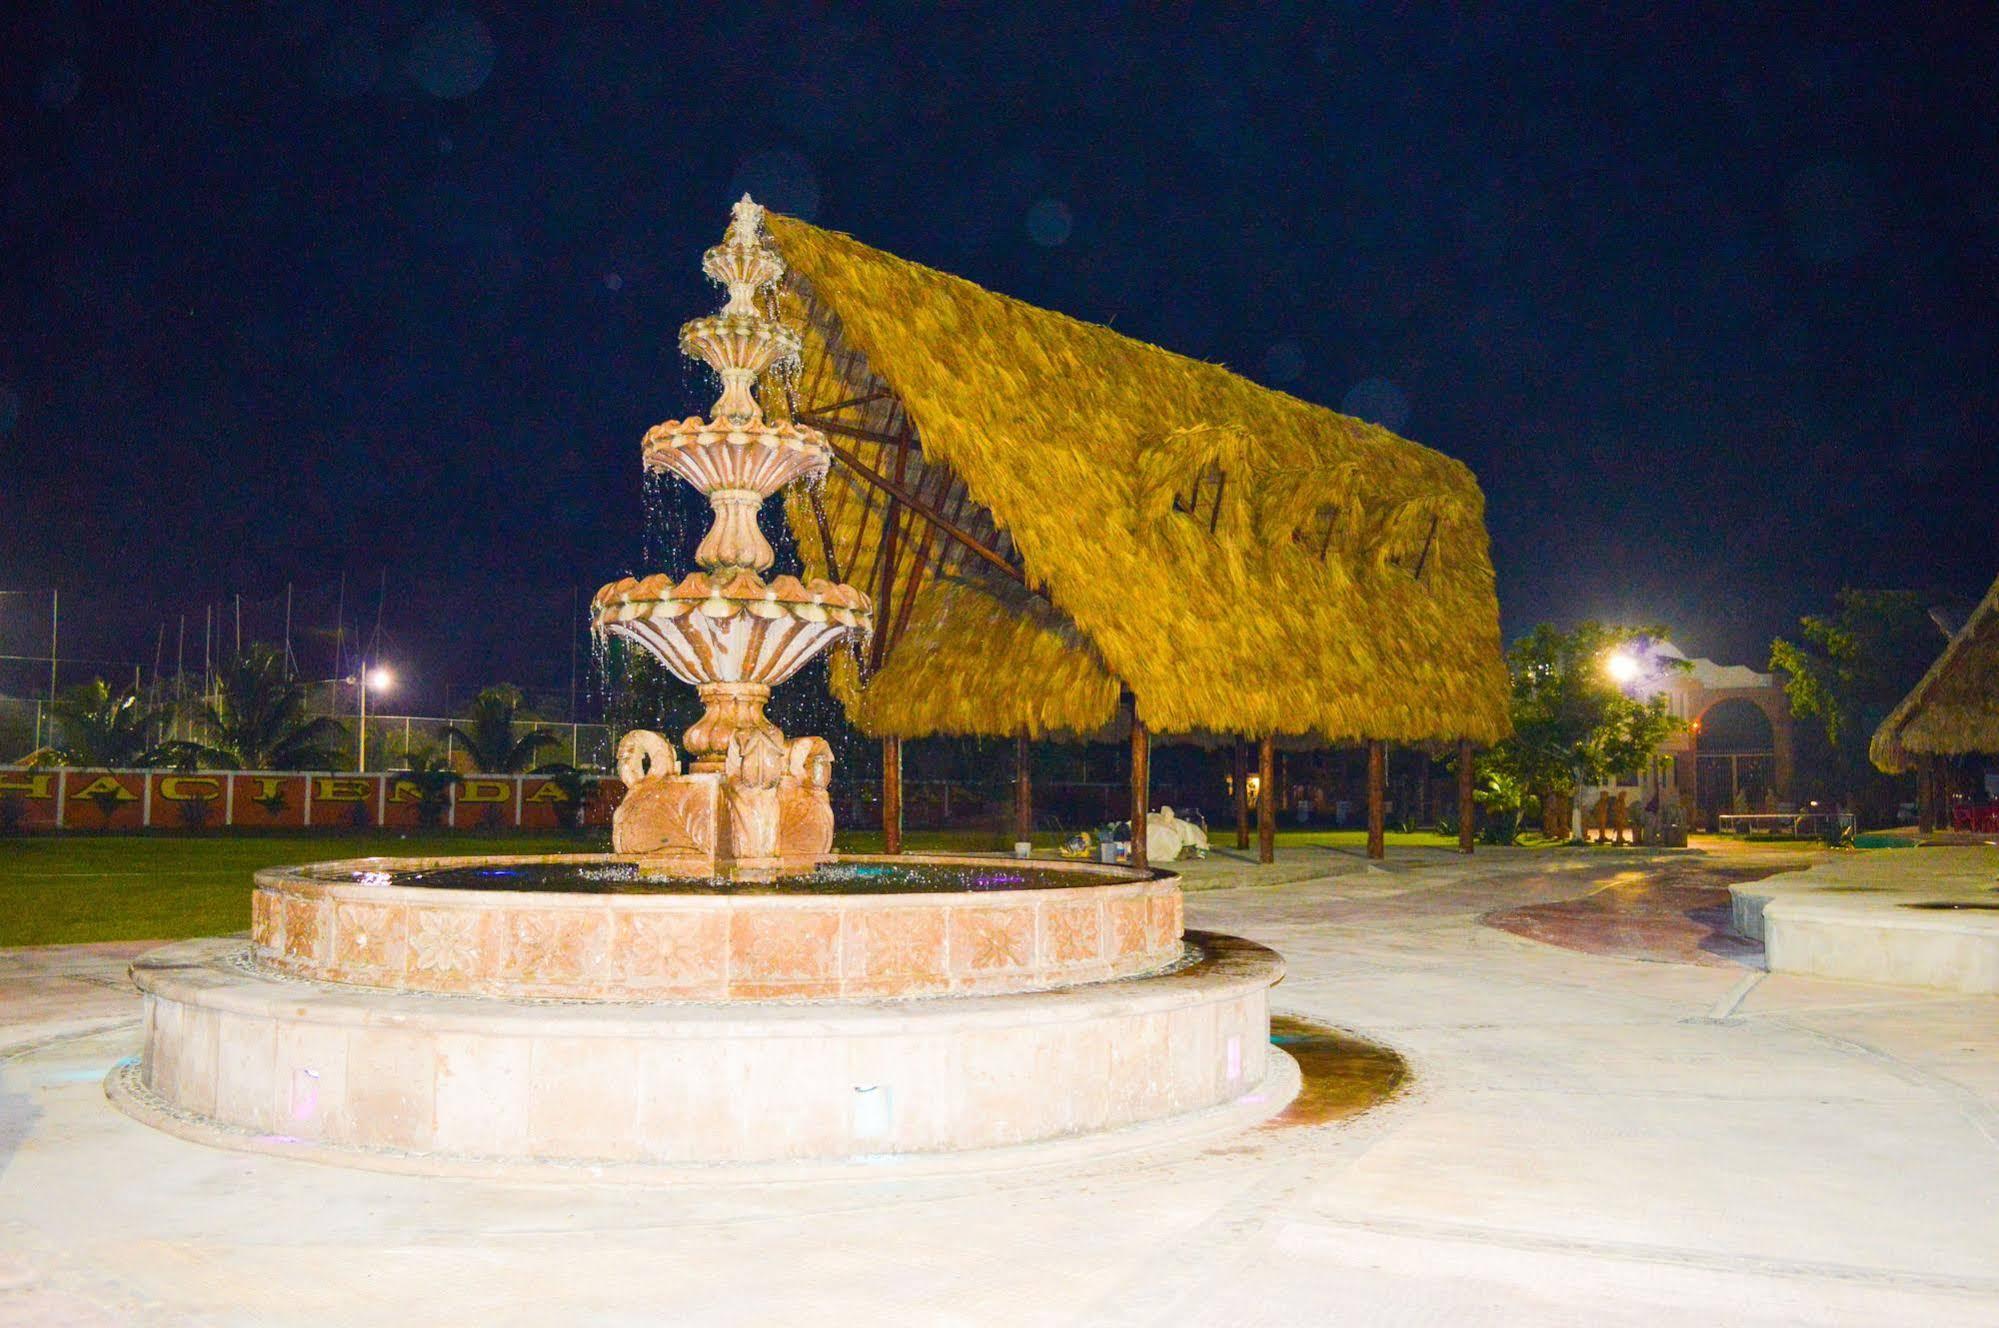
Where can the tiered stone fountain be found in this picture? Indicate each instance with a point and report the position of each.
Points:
(722, 988)
(751, 803)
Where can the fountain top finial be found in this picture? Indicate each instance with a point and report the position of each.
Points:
(746, 219)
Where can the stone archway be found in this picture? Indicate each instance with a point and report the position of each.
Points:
(1737, 763)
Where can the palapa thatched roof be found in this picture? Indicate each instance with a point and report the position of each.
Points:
(1954, 710)
(1238, 559)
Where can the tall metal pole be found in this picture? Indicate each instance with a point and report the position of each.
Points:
(180, 665)
(361, 747)
(340, 629)
(55, 618)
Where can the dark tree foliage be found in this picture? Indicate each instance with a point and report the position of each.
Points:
(256, 720)
(1572, 723)
(429, 772)
(97, 727)
(1846, 671)
(488, 736)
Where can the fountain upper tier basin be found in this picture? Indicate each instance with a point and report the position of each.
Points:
(590, 927)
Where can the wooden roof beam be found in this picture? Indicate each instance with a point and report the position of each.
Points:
(878, 395)
(841, 427)
(903, 495)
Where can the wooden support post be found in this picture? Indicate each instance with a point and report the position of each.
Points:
(1141, 785)
(891, 795)
(1241, 792)
(1266, 799)
(1467, 804)
(1377, 797)
(1023, 790)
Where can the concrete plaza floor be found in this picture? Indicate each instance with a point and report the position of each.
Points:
(1615, 1117)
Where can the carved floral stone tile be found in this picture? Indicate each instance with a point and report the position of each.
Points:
(1162, 921)
(1073, 932)
(1128, 926)
(896, 942)
(303, 918)
(673, 948)
(267, 921)
(369, 936)
(558, 944)
(445, 942)
(985, 939)
(781, 946)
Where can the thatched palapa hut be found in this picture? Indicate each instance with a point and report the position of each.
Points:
(1051, 517)
(1952, 712)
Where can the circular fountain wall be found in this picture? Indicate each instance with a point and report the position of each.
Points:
(593, 927)
(882, 1007)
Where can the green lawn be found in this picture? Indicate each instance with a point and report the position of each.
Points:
(64, 889)
(58, 890)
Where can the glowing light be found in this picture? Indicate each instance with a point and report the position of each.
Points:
(1622, 668)
(380, 679)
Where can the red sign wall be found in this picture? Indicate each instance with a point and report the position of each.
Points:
(230, 799)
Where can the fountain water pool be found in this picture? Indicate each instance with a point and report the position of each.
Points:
(722, 989)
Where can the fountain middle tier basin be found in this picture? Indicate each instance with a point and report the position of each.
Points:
(731, 628)
(594, 927)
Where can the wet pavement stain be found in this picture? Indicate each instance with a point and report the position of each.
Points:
(1343, 1075)
(1672, 913)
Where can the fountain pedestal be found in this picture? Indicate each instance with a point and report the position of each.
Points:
(765, 810)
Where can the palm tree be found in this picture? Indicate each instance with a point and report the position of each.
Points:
(575, 785)
(488, 733)
(101, 729)
(430, 770)
(257, 720)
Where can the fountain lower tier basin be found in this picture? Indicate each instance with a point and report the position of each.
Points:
(860, 928)
(238, 1057)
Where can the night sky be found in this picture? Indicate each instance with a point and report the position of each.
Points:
(296, 289)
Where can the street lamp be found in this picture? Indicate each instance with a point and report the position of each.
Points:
(377, 679)
(1623, 668)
